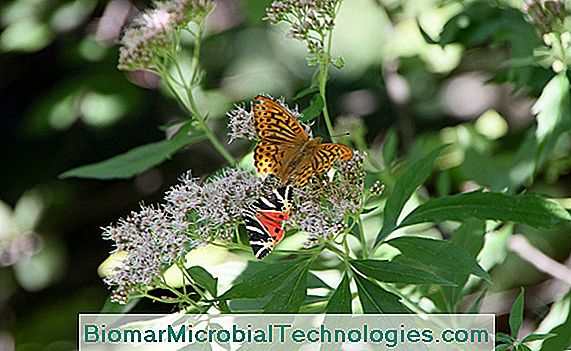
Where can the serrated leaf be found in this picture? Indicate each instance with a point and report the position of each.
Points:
(470, 236)
(444, 257)
(516, 314)
(405, 186)
(263, 281)
(375, 299)
(529, 209)
(395, 272)
(314, 109)
(535, 337)
(291, 293)
(204, 279)
(136, 160)
(341, 299)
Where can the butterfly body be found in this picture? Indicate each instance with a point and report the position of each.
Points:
(285, 149)
(264, 220)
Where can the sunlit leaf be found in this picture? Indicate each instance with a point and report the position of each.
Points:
(516, 314)
(375, 299)
(405, 186)
(444, 257)
(529, 209)
(395, 272)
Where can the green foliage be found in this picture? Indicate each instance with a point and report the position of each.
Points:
(340, 301)
(515, 321)
(139, 159)
(412, 178)
(529, 209)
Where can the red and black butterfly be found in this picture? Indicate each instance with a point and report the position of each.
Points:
(264, 220)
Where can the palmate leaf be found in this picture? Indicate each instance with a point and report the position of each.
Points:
(282, 285)
(290, 294)
(439, 256)
(375, 299)
(532, 210)
(396, 272)
(139, 159)
(341, 299)
(405, 186)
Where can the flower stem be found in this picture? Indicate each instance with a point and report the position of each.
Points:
(362, 237)
(191, 105)
(323, 73)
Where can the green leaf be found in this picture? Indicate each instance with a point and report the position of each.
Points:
(516, 314)
(137, 160)
(470, 236)
(529, 209)
(375, 299)
(341, 299)
(405, 186)
(305, 92)
(204, 279)
(264, 281)
(504, 338)
(390, 147)
(395, 272)
(534, 337)
(522, 347)
(442, 257)
(560, 323)
(502, 347)
(291, 293)
(553, 114)
(314, 109)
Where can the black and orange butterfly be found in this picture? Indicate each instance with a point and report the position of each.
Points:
(285, 149)
(264, 220)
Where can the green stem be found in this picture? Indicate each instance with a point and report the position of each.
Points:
(323, 72)
(362, 237)
(191, 105)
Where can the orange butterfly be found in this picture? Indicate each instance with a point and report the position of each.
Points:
(284, 148)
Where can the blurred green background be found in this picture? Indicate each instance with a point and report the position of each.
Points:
(64, 104)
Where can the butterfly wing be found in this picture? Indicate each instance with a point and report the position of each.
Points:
(278, 200)
(275, 124)
(261, 242)
(264, 220)
(320, 161)
(281, 136)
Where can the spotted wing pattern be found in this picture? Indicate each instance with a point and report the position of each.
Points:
(275, 124)
(264, 221)
(285, 149)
